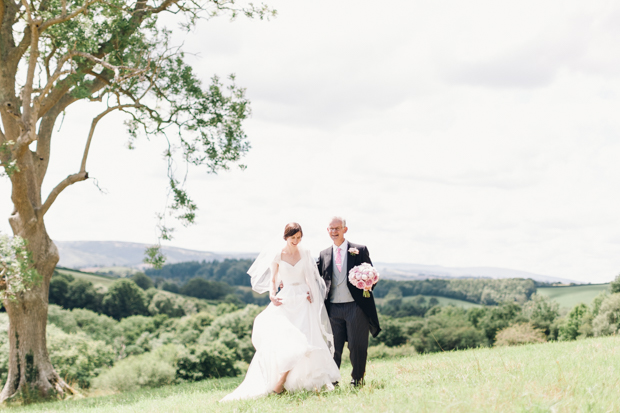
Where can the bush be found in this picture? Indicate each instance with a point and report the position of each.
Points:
(521, 333)
(575, 323)
(96, 326)
(123, 299)
(76, 357)
(83, 294)
(210, 290)
(166, 303)
(211, 361)
(448, 329)
(500, 317)
(154, 369)
(614, 286)
(171, 287)
(542, 312)
(142, 280)
(608, 318)
(384, 352)
(4, 347)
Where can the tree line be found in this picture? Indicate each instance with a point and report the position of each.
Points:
(484, 291)
(510, 323)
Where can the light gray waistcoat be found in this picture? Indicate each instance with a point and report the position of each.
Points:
(340, 291)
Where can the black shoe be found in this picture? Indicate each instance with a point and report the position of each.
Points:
(357, 383)
(335, 384)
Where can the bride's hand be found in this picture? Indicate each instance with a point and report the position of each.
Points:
(309, 297)
(275, 300)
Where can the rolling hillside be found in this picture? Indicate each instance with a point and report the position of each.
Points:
(574, 294)
(442, 301)
(93, 278)
(577, 376)
(88, 254)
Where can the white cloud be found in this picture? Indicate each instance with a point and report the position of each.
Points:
(457, 134)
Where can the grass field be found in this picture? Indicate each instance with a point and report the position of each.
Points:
(579, 376)
(574, 294)
(442, 301)
(95, 279)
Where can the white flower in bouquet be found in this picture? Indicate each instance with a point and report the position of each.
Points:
(364, 276)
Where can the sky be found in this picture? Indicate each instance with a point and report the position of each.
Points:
(481, 133)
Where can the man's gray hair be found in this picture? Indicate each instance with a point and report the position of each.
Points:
(341, 219)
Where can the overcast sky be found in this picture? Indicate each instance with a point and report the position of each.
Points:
(481, 133)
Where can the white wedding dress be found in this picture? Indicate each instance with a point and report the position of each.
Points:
(290, 337)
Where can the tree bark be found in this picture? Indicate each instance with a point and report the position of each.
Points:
(31, 373)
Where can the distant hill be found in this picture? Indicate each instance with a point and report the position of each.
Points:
(421, 272)
(88, 254)
(83, 254)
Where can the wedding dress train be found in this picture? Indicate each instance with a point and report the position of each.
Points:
(290, 337)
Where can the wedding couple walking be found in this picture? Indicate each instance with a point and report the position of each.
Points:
(300, 336)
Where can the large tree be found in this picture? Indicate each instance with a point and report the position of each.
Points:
(56, 53)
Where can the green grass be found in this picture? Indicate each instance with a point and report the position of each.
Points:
(442, 301)
(118, 271)
(574, 294)
(579, 376)
(106, 281)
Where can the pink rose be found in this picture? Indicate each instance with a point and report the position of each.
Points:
(360, 285)
(369, 283)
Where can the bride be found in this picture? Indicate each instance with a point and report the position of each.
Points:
(292, 336)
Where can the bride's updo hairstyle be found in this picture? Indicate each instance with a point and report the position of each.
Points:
(291, 229)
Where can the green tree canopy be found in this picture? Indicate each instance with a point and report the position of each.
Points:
(123, 299)
(142, 280)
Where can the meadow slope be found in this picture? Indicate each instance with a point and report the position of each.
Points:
(570, 296)
(574, 376)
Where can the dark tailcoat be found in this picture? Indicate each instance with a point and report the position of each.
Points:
(366, 304)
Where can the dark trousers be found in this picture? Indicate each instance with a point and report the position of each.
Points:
(349, 323)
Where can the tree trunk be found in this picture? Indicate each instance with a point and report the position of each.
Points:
(31, 374)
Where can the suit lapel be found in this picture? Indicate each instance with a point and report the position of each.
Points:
(328, 261)
(350, 259)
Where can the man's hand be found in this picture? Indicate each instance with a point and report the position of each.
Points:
(309, 297)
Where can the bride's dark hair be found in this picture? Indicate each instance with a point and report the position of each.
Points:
(291, 229)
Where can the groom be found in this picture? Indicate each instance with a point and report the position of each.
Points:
(351, 315)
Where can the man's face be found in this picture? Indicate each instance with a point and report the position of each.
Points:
(336, 231)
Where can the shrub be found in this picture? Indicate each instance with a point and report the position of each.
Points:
(521, 333)
(4, 347)
(76, 357)
(201, 288)
(83, 294)
(448, 329)
(614, 286)
(123, 299)
(166, 303)
(392, 333)
(59, 288)
(97, 326)
(201, 362)
(154, 369)
(542, 312)
(573, 325)
(384, 352)
(142, 280)
(171, 287)
(500, 317)
(608, 318)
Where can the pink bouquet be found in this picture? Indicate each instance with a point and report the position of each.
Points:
(364, 276)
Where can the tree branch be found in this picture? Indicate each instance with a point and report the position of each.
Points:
(66, 17)
(29, 134)
(82, 175)
(69, 180)
(48, 57)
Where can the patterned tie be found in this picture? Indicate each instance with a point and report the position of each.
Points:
(338, 260)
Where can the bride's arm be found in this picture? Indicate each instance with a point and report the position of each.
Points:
(274, 290)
